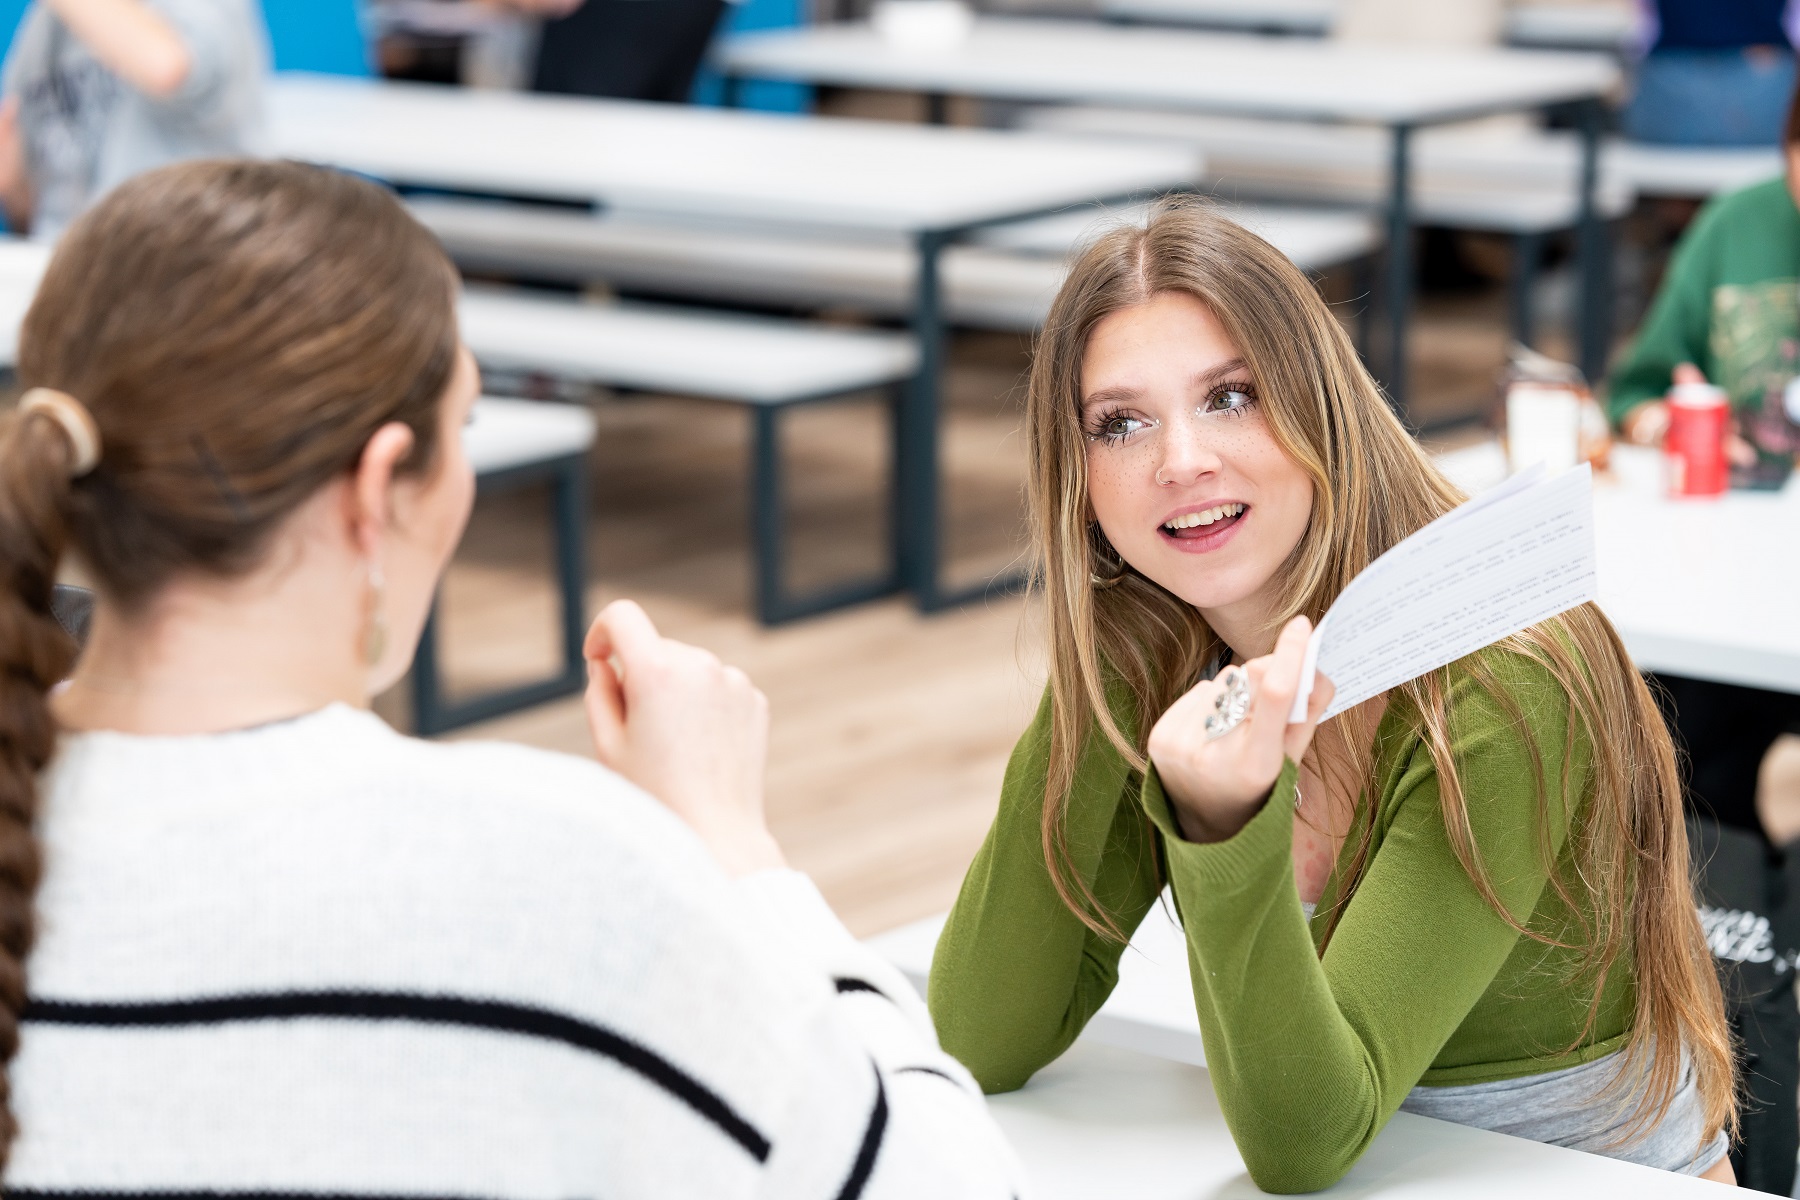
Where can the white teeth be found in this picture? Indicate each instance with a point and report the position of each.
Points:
(1206, 517)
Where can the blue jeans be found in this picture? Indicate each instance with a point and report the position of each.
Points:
(1711, 97)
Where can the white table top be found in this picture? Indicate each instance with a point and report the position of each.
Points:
(1709, 589)
(22, 265)
(1101, 1121)
(1129, 1109)
(678, 160)
(1567, 26)
(1085, 62)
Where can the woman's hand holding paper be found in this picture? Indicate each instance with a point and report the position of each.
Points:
(1217, 784)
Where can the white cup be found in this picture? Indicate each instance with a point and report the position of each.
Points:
(922, 24)
(1543, 425)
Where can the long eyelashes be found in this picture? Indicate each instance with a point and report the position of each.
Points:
(1112, 425)
(1242, 391)
(1105, 426)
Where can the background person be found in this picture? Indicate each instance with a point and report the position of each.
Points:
(1422, 907)
(1717, 73)
(98, 90)
(627, 49)
(281, 948)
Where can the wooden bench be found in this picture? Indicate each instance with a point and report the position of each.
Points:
(1004, 280)
(765, 364)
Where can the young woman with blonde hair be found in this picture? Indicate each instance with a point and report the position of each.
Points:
(1468, 897)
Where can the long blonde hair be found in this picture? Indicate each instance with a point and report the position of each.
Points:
(1372, 486)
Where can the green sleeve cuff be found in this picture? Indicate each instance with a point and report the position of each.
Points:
(1265, 841)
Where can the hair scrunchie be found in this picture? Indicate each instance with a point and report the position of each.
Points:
(76, 421)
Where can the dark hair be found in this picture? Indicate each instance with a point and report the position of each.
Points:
(239, 330)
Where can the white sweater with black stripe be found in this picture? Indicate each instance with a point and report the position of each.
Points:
(321, 959)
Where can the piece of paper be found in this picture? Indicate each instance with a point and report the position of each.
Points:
(1515, 555)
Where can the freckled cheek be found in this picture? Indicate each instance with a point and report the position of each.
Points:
(1119, 490)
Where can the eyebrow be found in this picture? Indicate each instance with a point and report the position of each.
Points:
(1205, 379)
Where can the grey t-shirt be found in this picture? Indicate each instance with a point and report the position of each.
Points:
(86, 130)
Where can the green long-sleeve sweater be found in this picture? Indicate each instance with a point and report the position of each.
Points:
(1422, 981)
(1729, 304)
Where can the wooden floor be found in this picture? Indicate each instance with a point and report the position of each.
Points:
(891, 729)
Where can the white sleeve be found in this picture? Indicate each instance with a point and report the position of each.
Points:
(875, 1109)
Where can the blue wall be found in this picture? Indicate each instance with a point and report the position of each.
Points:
(775, 97)
(318, 35)
(10, 12)
(308, 35)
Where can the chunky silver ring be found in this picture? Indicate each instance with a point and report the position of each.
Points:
(1231, 705)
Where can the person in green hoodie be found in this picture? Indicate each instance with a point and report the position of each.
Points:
(1466, 897)
(1728, 311)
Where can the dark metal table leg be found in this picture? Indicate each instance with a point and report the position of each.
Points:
(1594, 331)
(1362, 287)
(917, 451)
(433, 711)
(1528, 249)
(1399, 264)
(570, 498)
(765, 513)
(427, 685)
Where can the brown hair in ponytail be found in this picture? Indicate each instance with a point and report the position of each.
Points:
(239, 330)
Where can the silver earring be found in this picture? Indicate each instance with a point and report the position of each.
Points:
(1112, 571)
(375, 634)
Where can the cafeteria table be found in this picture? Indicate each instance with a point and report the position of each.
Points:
(930, 187)
(1105, 1121)
(1082, 62)
(1562, 26)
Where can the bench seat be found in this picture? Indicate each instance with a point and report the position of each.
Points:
(717, 355)
(1004, 281)
(767, 364)
(1691, 172)
(1498, 180)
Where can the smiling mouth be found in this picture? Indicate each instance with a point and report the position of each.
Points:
(1206, 523)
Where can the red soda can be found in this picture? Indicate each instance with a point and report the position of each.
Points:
(1694, 447)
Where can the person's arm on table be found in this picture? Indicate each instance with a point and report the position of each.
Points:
(1676, 330)
(1016, 975)
(693, 733)
(1311, 1058)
